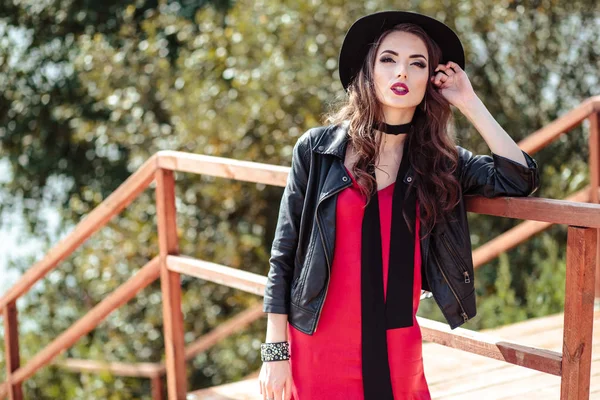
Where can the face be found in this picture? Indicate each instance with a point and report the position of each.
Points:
(401, 58)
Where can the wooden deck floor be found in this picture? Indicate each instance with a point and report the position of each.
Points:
(454, 375)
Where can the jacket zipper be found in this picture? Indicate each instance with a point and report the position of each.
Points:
(325, 249)
(456, 259)
(464, 314)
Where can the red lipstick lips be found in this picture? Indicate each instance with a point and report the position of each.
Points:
(400, 89)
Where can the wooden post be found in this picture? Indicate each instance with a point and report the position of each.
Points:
(170, 286)
(11, 341)
(157, 387)
(579, 313)
(594, 162)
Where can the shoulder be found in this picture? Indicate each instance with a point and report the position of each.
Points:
(466, 156)
(320, 137)
(314, 135)
(463, 154)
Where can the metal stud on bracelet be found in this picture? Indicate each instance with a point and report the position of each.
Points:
(275, 351)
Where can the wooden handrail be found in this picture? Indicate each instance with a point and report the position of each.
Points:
(92, 223)
(221, 274)
(583, 221)
(537, 209)
(517, 235)
(546, 135)
(139, 370)
(148, 274)
(488, 346)
(238, 170)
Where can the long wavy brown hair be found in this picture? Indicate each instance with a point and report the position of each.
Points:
(431, 149)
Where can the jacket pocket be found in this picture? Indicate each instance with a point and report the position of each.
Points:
(458, 261)
(303, 265)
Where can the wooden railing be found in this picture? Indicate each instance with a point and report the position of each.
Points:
(583, 220)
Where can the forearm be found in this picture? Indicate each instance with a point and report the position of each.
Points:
(276, 327)
(494, 135)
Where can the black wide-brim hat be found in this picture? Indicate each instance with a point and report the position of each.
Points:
(365, 31)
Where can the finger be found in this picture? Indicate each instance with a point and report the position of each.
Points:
(288, 389)
(278, 393)
(441, 68)
(264, 391)
(454, 66)
(440, 79)
(446, 71)
(435, 79)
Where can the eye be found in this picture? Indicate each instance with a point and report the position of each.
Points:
(389, 59)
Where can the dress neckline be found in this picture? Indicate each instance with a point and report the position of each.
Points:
(391, 185)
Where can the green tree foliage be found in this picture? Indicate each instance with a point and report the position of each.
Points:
(90, 90)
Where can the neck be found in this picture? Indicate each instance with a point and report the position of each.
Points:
(398, 116)
(393, 144)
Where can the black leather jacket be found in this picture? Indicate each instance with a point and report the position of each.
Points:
(303, 245)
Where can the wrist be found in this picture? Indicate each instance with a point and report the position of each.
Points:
(275, 351)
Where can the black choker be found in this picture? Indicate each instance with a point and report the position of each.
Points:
(392, 129)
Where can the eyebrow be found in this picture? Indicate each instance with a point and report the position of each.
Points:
(411, 56)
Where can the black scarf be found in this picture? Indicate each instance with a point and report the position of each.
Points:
(397, 310)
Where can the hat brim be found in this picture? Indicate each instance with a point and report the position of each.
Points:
(367, 29)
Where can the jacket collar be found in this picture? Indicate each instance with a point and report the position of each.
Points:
(334, 141)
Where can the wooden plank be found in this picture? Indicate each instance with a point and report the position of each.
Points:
(170, 283)
(594, 161)
(519, 234)
(11, 345)
(513, 384)
(491, 385)
(223, 330)
(239, 170)
(221, 274)
(594, 157)
(528, 208)
(579, 313)
(546, 135)
(92, 223)
(550, 337)
(491, 347)
(148, 274)
(246, 389)
(145, 370)
(157, 388)
(537, 209)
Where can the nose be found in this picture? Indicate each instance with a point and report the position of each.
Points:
(401, 70)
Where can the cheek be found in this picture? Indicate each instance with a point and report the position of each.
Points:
(381, 78)
(422, 84)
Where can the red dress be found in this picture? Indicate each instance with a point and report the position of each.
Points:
(327, 364)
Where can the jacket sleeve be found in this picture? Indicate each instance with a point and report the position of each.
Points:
(283, 250)
(495, 175)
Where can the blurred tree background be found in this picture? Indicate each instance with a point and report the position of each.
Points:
(90, 90)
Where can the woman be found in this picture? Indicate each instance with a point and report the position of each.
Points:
(373, 213)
